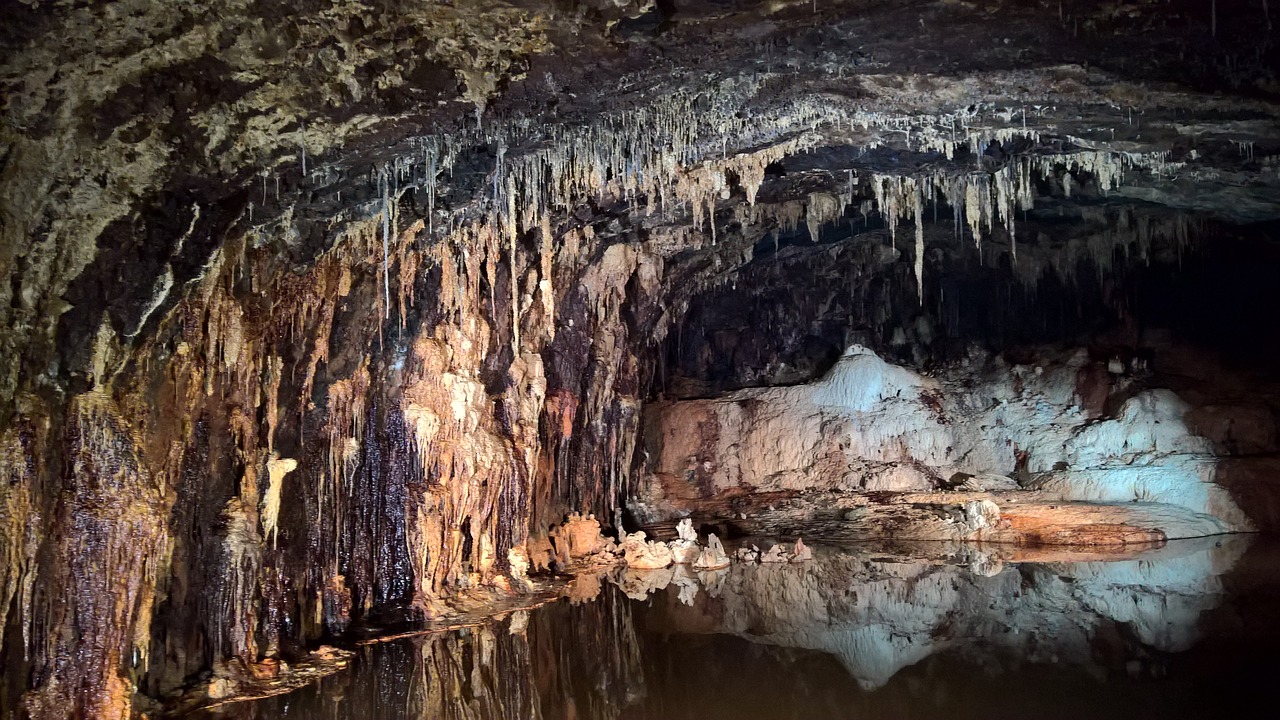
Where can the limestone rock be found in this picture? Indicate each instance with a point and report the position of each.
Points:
(518, 562)
(980, 514)
(869, 425)
(801, 552)
(684, 552)
(541, 553)
(640, 554)
(581, 536)
(990, 482)
(685, 531)
(776, 554)
(713, 557)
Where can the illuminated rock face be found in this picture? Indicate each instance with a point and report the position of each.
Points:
(869, 426)
(322, 314)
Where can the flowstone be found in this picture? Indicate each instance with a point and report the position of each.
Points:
(873, 430)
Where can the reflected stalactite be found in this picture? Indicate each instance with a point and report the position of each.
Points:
(556, 662)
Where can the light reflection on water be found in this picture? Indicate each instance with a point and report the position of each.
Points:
(1187, 630)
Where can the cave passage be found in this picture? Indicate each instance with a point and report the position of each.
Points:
(919, 355)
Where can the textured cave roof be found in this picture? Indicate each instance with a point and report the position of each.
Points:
(138, 135)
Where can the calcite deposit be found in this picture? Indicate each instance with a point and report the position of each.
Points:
(713, 556)
(913, 456)
(684, 549)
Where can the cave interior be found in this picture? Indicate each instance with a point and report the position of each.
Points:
(334, 317)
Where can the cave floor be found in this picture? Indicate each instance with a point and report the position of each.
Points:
(901, 630)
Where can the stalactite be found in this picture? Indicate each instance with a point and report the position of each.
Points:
(821, 209)
(1117, 229)
(918, 262)
(386, 243)
(277, 469)
(20, 524)
(990, 200)
(347, 406)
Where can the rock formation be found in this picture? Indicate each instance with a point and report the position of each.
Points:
(713, 556)
(641, 554)
(870, 427)
(801, 552)
(684, 549)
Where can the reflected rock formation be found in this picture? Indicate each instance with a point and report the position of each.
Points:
(836, 636)
(559, 661)
(880, 614)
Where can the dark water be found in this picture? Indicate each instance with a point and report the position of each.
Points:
(1186, 631)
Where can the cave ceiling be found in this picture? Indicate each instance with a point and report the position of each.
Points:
(138, 137)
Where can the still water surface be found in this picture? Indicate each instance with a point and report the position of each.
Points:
(1185, 631)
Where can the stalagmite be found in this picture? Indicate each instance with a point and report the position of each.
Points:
(776, 554)
(684, 549)
(801, 552)
(713, 556)
(642, 554)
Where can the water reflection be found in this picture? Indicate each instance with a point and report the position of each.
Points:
(878, 615)
(1179, 631)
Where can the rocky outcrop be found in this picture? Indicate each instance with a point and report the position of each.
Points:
(870, 426)
(684, 549)
(642, 554)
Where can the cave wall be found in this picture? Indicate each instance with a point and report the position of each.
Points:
(289, 454)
